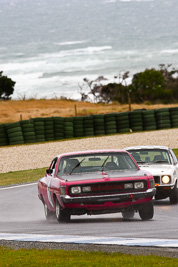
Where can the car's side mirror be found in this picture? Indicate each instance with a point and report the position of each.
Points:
(49, 171)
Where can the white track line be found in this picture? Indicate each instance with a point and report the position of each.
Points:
(143, 242)
(17, 186)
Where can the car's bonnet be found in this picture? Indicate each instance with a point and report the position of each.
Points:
(132, 174)
(157, 169)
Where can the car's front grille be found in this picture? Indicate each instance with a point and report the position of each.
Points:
(157, 179)
(110, 188)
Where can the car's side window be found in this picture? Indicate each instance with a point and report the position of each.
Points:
(62, 166)
(173, 156)
(53, 164)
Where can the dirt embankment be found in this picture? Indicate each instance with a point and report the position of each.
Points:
(15, 110)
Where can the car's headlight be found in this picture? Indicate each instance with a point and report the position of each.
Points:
(166, 179)
(63, 190)
(151, 183)
(128, 186)
(139, 185)
(76, 190)
(86, 189)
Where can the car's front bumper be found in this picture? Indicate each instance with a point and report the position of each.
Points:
(165, 186)
(164, 191)
(100, 199)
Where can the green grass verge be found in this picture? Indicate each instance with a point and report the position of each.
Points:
(34, 257)
(176, 152)
(20, 177)
(29, 176)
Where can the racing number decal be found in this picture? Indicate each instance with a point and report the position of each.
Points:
(49, 194)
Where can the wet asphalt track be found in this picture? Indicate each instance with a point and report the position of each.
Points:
(22, 216)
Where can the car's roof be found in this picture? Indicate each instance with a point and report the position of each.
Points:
(146, 147)
(90, 151)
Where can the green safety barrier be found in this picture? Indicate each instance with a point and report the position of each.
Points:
(57, 128)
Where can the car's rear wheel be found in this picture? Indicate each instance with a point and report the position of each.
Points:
(128, 214)
(48, 214)
(147, 211)
(174, 195)
(62, 215)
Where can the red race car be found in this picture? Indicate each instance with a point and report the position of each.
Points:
(96, 182)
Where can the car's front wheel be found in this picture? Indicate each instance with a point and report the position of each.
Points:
(147, 211)
(174, 195)
(62, 215)
(48, 214)
(128, 214)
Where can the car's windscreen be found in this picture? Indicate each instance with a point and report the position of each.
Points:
(150, 156)
(95, 162)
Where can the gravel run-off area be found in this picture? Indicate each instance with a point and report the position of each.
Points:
(25, 157)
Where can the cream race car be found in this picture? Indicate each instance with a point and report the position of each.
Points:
(162, 163)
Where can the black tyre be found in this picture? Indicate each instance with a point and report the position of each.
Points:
(128, 214)
(48, 214)
(174, 121)
(2, 134)
(29, 134)
(68, 119)
(16, 134)
(162, 110)
(175, 125)
(27, 127)
(136, 124)
(110, 124)
(174, 117)
(150, 128)
(14, 130)
(148, 112)
(58, 137)
(40, 140)
(99, 132)
(13, 125)
(16, 139)
(79, 134)
(124, 130)
(122, 115)
(137, 129)
(147, 211)
(38, 123)
(16, 143)
(61, 215)
(175, 109)
(3, 142)
(174, 195)
(111, 131)
(163, 117)
(89, 132)
(151, 123)
(68, 128)
(174, 114)
(164, 126)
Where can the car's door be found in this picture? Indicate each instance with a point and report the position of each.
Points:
(175, 162)
(49, 177)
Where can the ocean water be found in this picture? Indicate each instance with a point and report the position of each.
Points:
(49, 46)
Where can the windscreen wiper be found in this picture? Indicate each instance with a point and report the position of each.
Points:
(77, 165)
(160, 161)
(102, 167)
